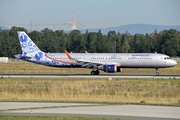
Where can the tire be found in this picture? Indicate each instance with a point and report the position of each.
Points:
(157, 73)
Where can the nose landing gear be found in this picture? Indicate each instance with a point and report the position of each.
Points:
(157, 72)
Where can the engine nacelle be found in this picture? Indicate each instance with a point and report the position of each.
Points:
(110, 68)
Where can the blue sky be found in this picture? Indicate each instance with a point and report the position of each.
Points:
(91, 13)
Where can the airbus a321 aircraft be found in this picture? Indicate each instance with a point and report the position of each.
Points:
(107, 62)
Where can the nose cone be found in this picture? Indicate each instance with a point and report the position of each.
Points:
(173, 63)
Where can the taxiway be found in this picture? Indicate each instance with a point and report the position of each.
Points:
(132, 112)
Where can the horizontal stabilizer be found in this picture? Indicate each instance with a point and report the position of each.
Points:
(19, 56)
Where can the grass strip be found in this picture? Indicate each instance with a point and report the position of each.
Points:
(31, 117)
(91, 90)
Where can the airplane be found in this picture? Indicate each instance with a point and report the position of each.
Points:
(107, 62)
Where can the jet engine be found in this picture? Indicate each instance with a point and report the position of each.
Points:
(111, 68)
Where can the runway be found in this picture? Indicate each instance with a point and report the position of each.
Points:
(130, 112)
(88, 76)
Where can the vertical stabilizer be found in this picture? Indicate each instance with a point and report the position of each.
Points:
(27, 45)
(30, 52)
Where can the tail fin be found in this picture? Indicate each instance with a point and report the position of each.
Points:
(30, 52)
(29, 49)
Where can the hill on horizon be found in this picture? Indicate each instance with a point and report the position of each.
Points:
(130, 28)
(4, 28)
(134, 29)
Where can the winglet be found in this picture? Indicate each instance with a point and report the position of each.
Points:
(67, 54)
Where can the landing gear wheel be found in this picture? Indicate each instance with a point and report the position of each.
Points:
(95, 72)
(157, 73)
(92, 72)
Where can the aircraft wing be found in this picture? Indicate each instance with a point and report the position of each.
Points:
(90, 63)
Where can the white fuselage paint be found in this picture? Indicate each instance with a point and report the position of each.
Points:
(123, 60)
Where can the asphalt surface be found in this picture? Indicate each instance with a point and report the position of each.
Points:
(88, 76)
(130, 112)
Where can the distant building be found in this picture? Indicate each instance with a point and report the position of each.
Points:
(3, 59)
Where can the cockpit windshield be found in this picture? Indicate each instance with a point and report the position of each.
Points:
(167, 58)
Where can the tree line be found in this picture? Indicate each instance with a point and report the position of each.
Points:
(166, 42)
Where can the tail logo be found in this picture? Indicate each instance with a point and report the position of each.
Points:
(23, 38)
(29, 43)
(24, 53)
(38, 56)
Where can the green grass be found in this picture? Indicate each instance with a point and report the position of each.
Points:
(5, 117)
(118, 91)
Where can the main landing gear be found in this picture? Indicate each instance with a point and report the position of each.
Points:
(157, 72)
(95, 72)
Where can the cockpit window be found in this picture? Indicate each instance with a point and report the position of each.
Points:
(167, 58)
